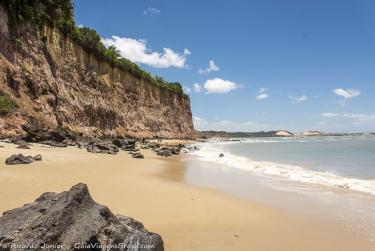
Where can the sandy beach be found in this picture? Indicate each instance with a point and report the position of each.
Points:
(154, 191)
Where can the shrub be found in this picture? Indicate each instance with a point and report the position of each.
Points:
(6, 104)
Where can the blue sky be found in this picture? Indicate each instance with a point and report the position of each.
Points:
(310, 63)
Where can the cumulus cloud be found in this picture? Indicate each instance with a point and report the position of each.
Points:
(197, 87)
(186, 90)
(346, 93)
(262, 94)
(329, 114)
(296, 99)
(230, 126)
(151, 11)
(211, 68)
(218, 85)
(137, 52)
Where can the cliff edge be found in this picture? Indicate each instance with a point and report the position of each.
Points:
(48, 80)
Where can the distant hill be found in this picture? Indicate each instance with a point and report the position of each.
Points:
(223, 134)
(278, 133)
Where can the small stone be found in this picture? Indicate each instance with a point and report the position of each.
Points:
(137, 155)
(37, 157)
(23, 147)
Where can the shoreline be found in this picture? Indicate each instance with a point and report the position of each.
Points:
(155, 192)
(284, 169)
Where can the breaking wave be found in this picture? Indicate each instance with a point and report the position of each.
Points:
(210, 152)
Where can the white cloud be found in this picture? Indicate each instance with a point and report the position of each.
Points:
(262, 94)
(137, 52)
(347, 93)
(211, 68)
(197, 87)
(230, 126)
(329, 114)
(186, 90)
(151, 11)
(363, 119)
(299, 99)
(187, 52)
(361, 116)
(218, 85)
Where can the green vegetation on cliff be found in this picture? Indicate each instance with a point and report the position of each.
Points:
(59, 14)
(6, 104)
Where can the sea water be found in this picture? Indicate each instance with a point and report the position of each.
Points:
(327, 178)
(346, 162)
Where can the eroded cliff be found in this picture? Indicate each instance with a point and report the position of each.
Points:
(54, 82)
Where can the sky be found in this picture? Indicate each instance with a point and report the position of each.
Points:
(252, 65)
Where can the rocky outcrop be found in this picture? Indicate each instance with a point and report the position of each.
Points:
(102, 147)
(17, 159)
(72, 220)
(56, 83)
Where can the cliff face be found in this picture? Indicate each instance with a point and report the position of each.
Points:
(55, 82)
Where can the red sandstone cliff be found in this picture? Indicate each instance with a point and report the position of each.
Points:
(55, 82)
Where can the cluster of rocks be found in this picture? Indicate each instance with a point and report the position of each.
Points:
(16, 159)
(113, 147)
(163, 150)
(62, 138)
(55, 138)
(72, 220)
(102, 147)
(168, 151)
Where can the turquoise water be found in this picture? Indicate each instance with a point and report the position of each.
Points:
(343, 162)
(345, 156)
(325, 177)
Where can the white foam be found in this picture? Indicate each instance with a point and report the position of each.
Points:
(210, 152)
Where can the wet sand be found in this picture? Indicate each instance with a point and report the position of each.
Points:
(154, 191)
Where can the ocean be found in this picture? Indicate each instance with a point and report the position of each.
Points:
(324, 178)
(343, 162)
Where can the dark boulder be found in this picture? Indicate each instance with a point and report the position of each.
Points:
(73, 220)
(69, 142)
(49, 137)
(102, 147)
(53, 143)
(17, 159)
(83, 143)
(176, 149)
(120, 143)
(153, 145)
(165, 152)
(137, 155)
(25, 146)
(18, 141)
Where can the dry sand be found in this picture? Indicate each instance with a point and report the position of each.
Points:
(153, 191)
